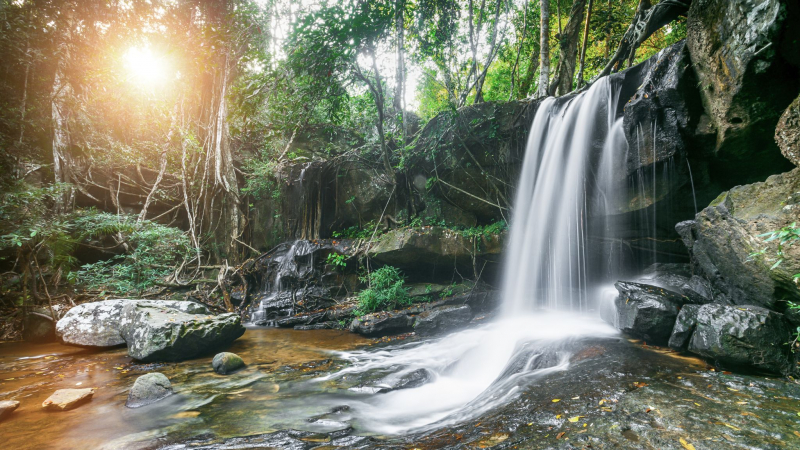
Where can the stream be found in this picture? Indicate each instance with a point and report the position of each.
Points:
(329, 389)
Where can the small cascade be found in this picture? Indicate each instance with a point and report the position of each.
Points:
(292, 279)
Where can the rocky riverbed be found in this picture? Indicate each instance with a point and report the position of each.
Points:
(613, 393)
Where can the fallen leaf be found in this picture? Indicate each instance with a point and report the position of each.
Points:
(741, 403)
(686, 445)
(731, 426)
(575, 398)
(797, 433)
(601, 402)
(574, 419)
(560, 435)
(556, 400)
(558, 416)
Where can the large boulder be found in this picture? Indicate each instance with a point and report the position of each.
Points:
(423, 251)
(157, 333)
(727, 244)
(742, 336)
(149, 388)
(382, 323)
(787, 134)
(648, 312)
(97, 324)
(38, 327)
(745, 55)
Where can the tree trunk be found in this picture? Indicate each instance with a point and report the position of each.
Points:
(585, 43)
(647, 20)
(399, 92)
(62, 160)
(519, 51)
(544, 50)
(489, 57)
(568, 44)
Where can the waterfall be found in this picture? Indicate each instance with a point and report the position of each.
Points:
(556, 249)
(560, 262)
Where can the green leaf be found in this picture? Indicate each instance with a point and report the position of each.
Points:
(776, 264)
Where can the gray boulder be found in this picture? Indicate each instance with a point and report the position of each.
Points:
(148, 389)
(648, 312)
(727, 245)
(66, 399)
(7, 407)
(227, 362)
(742, 336)
(442, 320)
(97, 324)
(157, 333)
(787, 133)
(382, 323)
(684, 327)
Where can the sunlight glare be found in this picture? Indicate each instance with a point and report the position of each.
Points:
(144, 67)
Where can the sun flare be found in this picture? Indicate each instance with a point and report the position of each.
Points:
(145, 67)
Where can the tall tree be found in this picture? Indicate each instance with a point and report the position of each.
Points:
(568, 45)
(585, 43)
(544, 49)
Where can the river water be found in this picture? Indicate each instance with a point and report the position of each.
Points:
(610, 392)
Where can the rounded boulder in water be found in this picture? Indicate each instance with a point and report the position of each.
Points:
(148, 389)
(226, 362)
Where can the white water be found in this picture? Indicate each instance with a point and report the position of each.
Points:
(558, 259)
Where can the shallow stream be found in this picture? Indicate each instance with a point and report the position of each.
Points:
(338, 390)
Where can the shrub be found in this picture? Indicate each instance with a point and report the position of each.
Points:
(386, 291)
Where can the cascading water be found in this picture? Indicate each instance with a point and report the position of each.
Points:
(559, 257)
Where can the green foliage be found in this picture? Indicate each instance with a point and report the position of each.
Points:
(386, 291)
(358, 232)
(784, 237)
(336, 260)
(154, 251)
(492, 229)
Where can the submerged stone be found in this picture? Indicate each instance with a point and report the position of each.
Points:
(7, 407)
(227, 362)
(66, 399)
(165, 334)
(742, 336)
(148, 389)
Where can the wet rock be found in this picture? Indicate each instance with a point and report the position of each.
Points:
(97, 324)
(678, 278)
(787, 134)
(726, 241)
(382, 323)
(684, 327)
(164, 334)
(648, 312)
(667, 84)
(422, 250)
(409, 380)
(329, 325)
(65, 399)
(149, 388)
(745, 55)
(442, 320)
(742, 336)
(227, 362)
(38, 328)
(7, 407)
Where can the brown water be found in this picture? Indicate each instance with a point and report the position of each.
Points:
(251, 401)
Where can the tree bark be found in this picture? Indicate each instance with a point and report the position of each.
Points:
(400, 85)
(568, 44)
(62, 160)
(585, 43)
(519, 51)
(489, 57)
(544, 49)
(647, 20)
